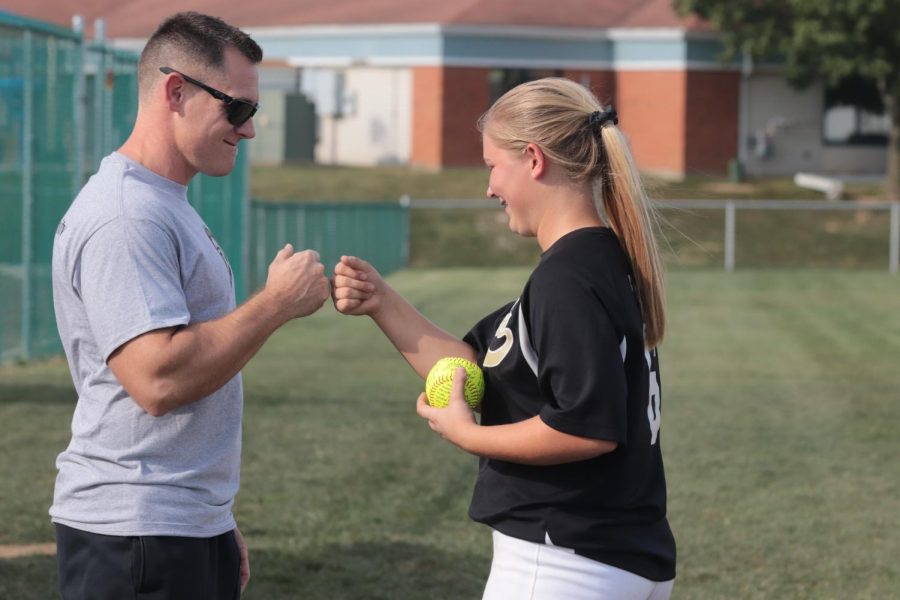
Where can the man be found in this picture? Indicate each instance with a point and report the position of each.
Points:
(145, 307)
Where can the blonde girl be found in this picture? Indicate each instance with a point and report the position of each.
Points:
(571, 475)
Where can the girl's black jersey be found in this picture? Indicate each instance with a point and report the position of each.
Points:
(571, 350)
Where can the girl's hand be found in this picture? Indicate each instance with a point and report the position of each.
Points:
(356, 288)
(455, 422)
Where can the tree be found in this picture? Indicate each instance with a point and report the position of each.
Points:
(840, 42)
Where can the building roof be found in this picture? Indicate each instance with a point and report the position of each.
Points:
(139, 18)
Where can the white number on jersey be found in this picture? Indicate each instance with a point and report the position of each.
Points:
(653, 406)
(494, 357)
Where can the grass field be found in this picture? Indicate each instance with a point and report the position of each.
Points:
(364, 184)
(781, 406)
(455, 237)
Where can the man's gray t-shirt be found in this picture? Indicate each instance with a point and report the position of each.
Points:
(131, 255)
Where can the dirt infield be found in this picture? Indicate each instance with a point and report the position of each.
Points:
(20, 550)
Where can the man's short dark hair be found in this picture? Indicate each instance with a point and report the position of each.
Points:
(200, 38)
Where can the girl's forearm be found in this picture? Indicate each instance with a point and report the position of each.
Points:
(421, 342)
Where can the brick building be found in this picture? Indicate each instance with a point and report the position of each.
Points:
(396, 82)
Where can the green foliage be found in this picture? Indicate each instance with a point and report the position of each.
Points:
(845, 43)
(831, 40)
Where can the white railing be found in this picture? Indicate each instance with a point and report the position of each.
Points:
(731, 207)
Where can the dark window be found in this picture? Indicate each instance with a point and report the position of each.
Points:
(854, 115)
(503, 80)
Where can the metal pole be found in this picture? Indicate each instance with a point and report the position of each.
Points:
(281, 229)
(99, 96)
(260, 213)
(744, 107)
(27, 193)
(729, 236)
(405, 203)
(79, 101)
(244, 218)
(894, 261)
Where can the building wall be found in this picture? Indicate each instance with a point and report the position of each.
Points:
(279, 77)
(466, 97)
(784, 126)
(711, 128)
(427, 117)
(447, 102)
(678, 122)
(855, 160)
(267, 148)
(651, 107)
(373, 125)
(411, 93)
(601, 83)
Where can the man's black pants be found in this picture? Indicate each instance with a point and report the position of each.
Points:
(106, 567)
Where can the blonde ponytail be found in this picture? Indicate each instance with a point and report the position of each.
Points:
(629, 214)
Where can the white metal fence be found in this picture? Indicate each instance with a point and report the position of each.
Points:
(731, 209)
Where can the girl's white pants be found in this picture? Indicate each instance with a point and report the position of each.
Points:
(528, 571)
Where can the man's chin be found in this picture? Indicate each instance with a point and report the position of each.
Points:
(219, 170)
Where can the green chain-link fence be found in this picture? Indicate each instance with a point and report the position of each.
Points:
(64, 104)
(377, 232)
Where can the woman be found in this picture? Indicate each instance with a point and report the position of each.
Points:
(571, 478)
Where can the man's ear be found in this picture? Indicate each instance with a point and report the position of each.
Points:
(173, 92)
(536, 160)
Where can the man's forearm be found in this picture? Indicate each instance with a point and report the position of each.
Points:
(172, 368)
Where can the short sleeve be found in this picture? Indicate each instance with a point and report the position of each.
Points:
(482, 333)
(129, 281)
(581, 367)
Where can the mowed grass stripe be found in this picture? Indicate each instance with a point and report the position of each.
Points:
(778, 495)
(779, 435)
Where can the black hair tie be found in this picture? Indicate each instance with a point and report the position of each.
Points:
(600, 118)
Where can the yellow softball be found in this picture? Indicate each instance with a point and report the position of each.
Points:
(440, 380)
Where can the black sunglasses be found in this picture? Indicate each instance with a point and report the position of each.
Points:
(237, 111)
